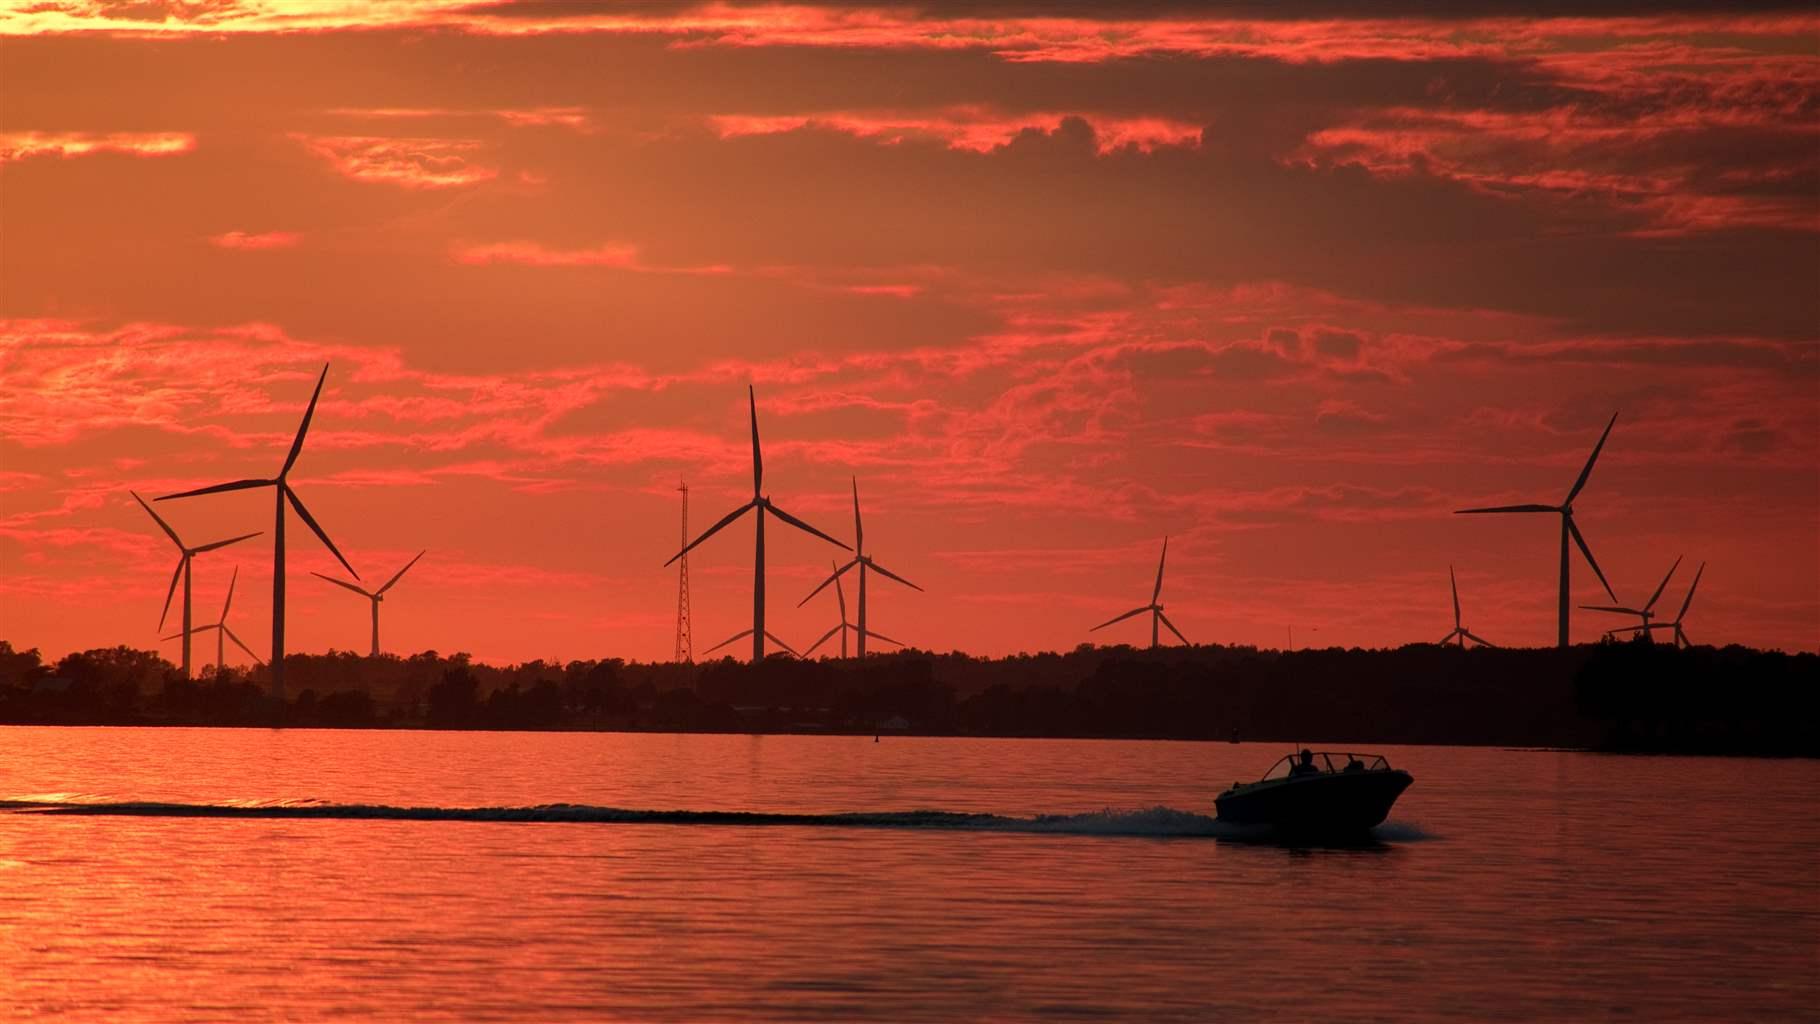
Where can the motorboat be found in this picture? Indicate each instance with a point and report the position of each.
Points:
(1317, 793)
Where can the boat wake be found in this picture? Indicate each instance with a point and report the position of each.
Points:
(1155, 821)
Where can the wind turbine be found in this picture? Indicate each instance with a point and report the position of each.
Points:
(746, 633)
(864, 562)
(1568, 529)
(374, 596)
(1681, 639)
(1154, 608)
(843, 626)
(1459, 631)
(763, 505)
(282, 492)
(221, 629)
(1646, 612)
(183, 569)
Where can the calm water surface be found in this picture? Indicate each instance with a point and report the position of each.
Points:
(1509, 885)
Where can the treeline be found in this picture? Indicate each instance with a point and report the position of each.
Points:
(1632, 696)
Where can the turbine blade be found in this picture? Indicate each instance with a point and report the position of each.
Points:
(712, 530)
(881, 570)
(742, 634)
(1120, 618)
(1690, 593)
(840, 592)
(182, 560)
(1172, 629)
(1443, 641)
(310, 521)
(1507, 508)
(773, 638)
(304, 427)
(824, 583)
(1681, 636)
(799, 524)
(400, 573)
(237, 485)
(193, 631)
(824, 639)
(1451, 582)
(229, 603)
(341, 583)
(225, 543)
(1664, 584)
(1158, 592)
(880, 636)
(1477, 639)
(156, 518)
(859, 532)
(758, 461)
(1610, 608)
(242, 646)
(1584, 550)
(1594, 457)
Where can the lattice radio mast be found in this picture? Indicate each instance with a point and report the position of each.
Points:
(685, 651)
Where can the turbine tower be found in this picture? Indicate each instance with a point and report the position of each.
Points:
(1568, 529)
(281, 489)
(184, 554)
(375, 596)
(685, 652)
(1644, 613)
(764, 507)
(843, 626)
(1155, 608)
(221, 629)
(864, 562)
(1460, 632)
(1680, 635)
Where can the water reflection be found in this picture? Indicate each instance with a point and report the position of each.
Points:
(1509, 885)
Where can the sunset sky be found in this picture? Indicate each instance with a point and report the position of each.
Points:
(1052, 287)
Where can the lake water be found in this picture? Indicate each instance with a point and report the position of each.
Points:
(1508, 885)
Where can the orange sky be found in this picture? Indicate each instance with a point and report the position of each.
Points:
(1288, 290)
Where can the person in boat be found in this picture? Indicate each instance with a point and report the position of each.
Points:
(1305, 766)
(1353, 764)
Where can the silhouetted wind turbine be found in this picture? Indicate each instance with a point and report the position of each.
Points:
(1568, 529)
(1646, 612)
(843, 626)
(183, 569)
(221, 629)
(374, 596)
(864, 562)
(1680, 634)
(1459, 631)
(281, 488)
(763, 505)
(742, 634)
(1154, 607)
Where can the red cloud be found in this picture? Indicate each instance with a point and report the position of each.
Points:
(614, 255)
(966, 128)
(407, 162)
(22, 145)
(255, 241)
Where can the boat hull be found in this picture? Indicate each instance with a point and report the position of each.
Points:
(1334, 803)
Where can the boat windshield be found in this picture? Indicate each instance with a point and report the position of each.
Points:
(1327, 762)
